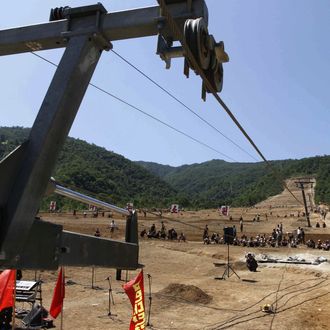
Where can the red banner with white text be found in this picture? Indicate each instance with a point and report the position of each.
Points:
(135, 291)
(7, 284)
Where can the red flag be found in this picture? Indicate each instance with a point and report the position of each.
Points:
(58, 297)
(135, 291)
(7, 284)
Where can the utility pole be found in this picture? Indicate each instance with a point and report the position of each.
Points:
(300, 184)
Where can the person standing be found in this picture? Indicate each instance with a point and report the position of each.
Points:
(113, 226)
(302, 234)
(206, 232)
(241, 224)
(299, 234)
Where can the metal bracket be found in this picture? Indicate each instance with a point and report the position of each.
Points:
(48, 246)
(71, 14)
(165, 48)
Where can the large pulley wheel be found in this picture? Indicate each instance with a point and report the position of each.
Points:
(197, 38)
(208, 55)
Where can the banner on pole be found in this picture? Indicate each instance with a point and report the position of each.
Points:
(92, 208)
(59, 294)
(52, 206)
(135, 292)
(7, 285)
(174, 208)
(224, 210)
(129, 207)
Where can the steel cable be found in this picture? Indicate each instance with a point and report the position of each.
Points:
(146, 113)
(181, 102)
(179, 36)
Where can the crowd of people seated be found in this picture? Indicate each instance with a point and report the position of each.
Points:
(257, 241)
(319, 244)
(276, 239)
(318, 225)
(171, 234)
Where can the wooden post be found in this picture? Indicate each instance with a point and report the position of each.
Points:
(93, 277)
(301, 186)
(14, 293)
(62, 281)
(62, 318)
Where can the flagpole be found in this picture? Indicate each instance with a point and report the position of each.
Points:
(62, 318)
(93, 276)
(150, 299)
(62, 281)
(13, 315)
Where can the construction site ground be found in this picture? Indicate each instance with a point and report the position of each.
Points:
(184, 292)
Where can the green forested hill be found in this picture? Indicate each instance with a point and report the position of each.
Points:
(158, 169)
(99, 173)
(241, 184)
(112, 178)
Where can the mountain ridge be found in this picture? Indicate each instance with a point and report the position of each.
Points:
(112, 178)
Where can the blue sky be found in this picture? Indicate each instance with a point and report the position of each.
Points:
(276, 84)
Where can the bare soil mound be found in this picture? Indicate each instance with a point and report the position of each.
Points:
(189, 293)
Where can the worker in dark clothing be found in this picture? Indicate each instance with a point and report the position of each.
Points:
(206, 232)
(251, 262)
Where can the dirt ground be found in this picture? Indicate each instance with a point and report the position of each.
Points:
(185, 294)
